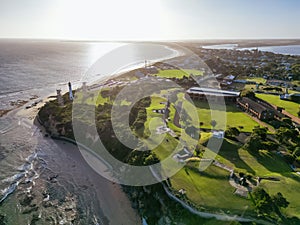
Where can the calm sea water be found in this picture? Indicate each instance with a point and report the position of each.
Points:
(30, 68)
(34, 67)
(286, 50)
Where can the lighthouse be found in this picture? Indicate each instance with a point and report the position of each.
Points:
(59, 97)
(70, 92)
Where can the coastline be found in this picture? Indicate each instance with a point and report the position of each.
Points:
(114, 203)
(176, 49)
(244, 43)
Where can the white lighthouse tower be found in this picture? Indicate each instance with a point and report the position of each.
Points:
(70, 92)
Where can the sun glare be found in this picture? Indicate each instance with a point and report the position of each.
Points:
(98, 19)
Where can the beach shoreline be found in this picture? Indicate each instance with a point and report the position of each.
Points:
(115, 206)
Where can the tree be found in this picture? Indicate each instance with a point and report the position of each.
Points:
(197, 151)
(287, 121)
(254, 143)
(3, 220)
(296, 152)
(248, 94)
(263, 207)
(283, 134)
(296, 71)
(280, 201)
(256, 140)
(270, 145)
(262, 201)
(289, 158)
(260, 131)
(151, 159)
(233, 131)
(266, 204)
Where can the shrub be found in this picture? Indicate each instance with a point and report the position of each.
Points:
(289, 158)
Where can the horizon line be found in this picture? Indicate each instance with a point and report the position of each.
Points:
(149, 40)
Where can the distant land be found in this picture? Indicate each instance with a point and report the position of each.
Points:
(244, 43)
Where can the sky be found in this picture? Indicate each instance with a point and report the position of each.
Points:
(149, 19)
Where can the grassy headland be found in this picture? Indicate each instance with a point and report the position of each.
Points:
(211, 190)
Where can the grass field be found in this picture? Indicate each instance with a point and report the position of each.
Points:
(265, 164)
(178, 73)
(234, 116)
(257, 80)
(289, 106)
(210, 189)
(92, 98)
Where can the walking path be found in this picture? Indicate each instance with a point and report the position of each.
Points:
(222, 217)
(293, 118)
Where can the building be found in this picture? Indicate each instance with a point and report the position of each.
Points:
(84, 87)
(256, 109)
(219, 134)
(59, 97)
(214, 95)
(70, 91)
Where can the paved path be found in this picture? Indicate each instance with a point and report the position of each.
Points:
(294, 118)
(222, 217)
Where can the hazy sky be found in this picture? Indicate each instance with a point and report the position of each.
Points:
(151, 19)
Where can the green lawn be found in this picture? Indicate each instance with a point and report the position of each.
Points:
(289, 106)
(234, 117)
(178, 73)
(265, 164)
(257, 80)
(210, 189)
(205, 136)
(92, 98)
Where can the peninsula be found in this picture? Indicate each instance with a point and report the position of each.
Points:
(253, 179)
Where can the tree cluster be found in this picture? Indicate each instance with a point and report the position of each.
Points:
(267, 205)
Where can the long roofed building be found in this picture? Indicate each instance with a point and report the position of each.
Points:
(213, 95)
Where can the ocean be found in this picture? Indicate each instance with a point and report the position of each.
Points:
(285, 50)
(40, 178)
(29, 68)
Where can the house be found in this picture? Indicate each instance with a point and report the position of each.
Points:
(256, 109)
(219, 134)
(214, 95)
(229, 78)
(152, 70)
